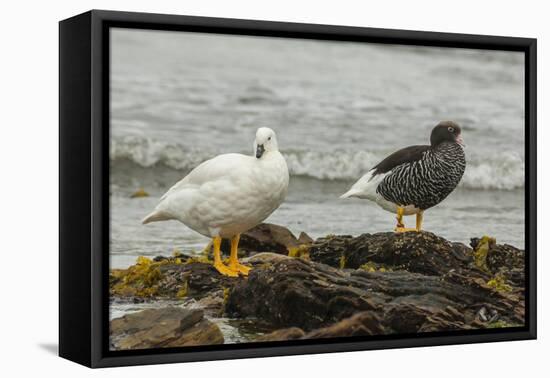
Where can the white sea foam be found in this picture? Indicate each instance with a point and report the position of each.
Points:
(504, 171)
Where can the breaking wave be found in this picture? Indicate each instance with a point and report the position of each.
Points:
(505, 171)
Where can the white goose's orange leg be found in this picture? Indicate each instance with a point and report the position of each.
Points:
(218, 264)
(234, 264)
(400, 227)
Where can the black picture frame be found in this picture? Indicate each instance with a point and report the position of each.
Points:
(84, 192)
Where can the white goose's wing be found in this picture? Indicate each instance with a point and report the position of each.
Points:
(209, 171)
(208, 194)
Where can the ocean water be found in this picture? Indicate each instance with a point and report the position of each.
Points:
(178, 99)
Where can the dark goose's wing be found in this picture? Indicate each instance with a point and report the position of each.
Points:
(405, 155)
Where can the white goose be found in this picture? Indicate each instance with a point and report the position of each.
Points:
(228, 195)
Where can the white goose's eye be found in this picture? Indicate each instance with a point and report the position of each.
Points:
(269, 138)
(451, 129)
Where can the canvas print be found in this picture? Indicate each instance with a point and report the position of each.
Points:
(269, 189)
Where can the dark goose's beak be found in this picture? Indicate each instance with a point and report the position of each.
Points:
(460, 141)
(260, 150)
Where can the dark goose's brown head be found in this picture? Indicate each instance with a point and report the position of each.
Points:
(446, 131)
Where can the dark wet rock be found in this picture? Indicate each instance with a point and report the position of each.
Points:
(503, 260)
(309, 295)
(168, 278)
(361, 324)
(164, 327)
(505, 256)
(200, 279)
(304, 239)
(172, 277)
(330, 250)
(160, 258)
(293, 292)
(212, 304)
(412, 318)
(181, 256)
(401, 283)
(264, 258)
(462, 252)
(183, 276)
(291, 333)
(417, 252)
(267, 237)
(449, 319)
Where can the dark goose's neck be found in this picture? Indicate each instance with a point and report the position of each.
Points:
(448, 162)
(450, 152)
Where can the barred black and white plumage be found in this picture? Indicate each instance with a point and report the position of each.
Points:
(416, 178)
(428, 181)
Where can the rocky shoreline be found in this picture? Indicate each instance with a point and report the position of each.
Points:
(338, 285)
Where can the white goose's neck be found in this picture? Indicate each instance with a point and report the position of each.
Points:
(270, 156)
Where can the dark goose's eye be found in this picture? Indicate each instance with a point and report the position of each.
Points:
(451, 129)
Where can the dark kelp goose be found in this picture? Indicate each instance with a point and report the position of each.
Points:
(415, 178)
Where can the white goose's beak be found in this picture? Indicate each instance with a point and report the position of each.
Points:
(260, 150)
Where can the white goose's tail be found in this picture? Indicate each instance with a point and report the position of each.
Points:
(156, 216)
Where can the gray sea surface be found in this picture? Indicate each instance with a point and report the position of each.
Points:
(338, 108)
